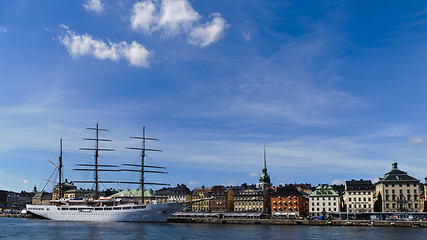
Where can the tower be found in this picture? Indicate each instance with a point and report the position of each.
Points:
(264, 178)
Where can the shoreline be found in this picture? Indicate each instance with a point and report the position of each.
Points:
(347, 223)
(16, 215)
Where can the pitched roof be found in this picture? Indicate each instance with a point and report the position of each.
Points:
(324, 190)
(396, 175)
(134, 193)
(359, 185)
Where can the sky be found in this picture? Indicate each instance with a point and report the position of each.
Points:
(334, 90)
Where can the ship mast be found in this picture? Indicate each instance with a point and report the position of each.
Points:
(60, 173)
(142, 167)
(96, 166)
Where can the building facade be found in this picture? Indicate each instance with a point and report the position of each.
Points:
(201, 199)
(180, 193)
(358, 196)
(288, 202)
(222, 199)
(252, 201)
(323, 201)
(397, 192)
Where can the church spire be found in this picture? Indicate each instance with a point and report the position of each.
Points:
(264, 178)
(264, 167)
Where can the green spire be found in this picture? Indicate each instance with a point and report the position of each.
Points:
(264, 178)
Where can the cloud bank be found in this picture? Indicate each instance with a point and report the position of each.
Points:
(174, 17)
(94, 6)
(80, 45)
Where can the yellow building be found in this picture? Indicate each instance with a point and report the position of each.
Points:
(251, 201)
(199, 204)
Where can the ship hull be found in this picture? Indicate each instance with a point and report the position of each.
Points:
(123, 213)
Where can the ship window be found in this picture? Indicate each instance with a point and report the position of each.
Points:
(107, 208)
(73, 208)
(98, 209)
(117, 208)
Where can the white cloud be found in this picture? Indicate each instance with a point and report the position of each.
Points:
(3, 30)
(143, 18)
(416, 140)
(192, 183)
(80, 45)
(337, 182)
(177, 16)
(209, 33)
(25, 181)
(173, 17)
(253, 175)
(94, 5)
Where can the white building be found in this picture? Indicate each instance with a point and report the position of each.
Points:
(358, 196)
(323, 201)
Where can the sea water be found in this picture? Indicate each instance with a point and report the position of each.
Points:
(18, 228)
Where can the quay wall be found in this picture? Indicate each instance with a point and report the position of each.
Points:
(365, 223)
(16, 215)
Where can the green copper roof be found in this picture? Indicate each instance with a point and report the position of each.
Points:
(134, 193)
(324, 190)
(396, 175)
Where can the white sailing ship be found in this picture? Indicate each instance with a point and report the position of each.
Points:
(108, 209)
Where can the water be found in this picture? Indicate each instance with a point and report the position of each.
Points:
(15, 228)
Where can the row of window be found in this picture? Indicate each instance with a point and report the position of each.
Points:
(359, 205)
(387, 205)
(360, 199)
(324, 198)
(400, 185)
(393, 197)
(248, 203)
(324, 209)
(284, 208)
(359, 193)
(324, 204)
(401, 191)
(284, 202)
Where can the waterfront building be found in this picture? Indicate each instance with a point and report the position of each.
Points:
(286, 201)
(252, 201)
(305, 188)
(41, 198)
(358, 196)
(222, 199)
(324, 201)
(135, 195)
(66, 186)
(264, 178)
(74, 193)
(397, 192)
(180, 193)
(424, 196)
(201, 199)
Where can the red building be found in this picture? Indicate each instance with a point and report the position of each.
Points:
(288, 202)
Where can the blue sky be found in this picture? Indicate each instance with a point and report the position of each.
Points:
(335, 90)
